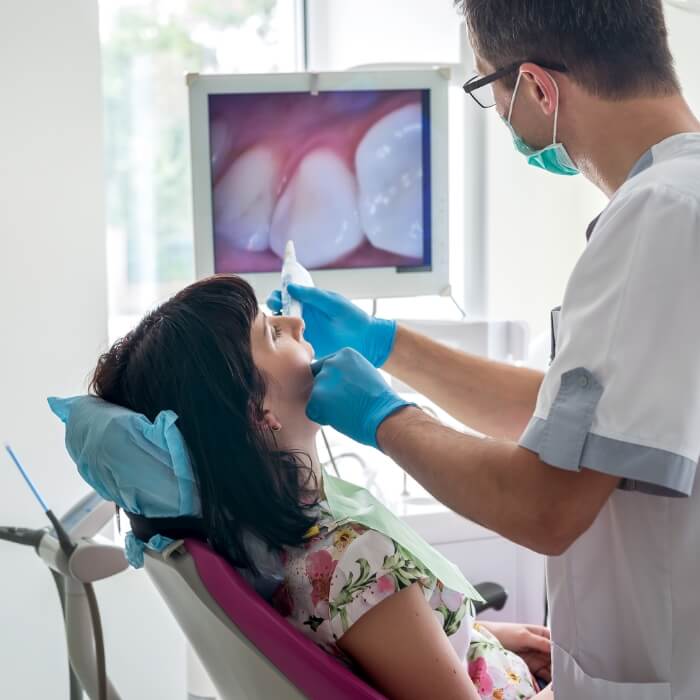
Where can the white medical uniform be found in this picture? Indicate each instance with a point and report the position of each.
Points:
(622, 396)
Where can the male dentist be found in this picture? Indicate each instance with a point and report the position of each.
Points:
(593, 463)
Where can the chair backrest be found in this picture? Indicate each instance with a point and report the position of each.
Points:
(249, 651)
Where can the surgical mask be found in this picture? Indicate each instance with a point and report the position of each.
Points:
(553, 158)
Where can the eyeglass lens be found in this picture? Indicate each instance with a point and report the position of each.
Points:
(484, 95)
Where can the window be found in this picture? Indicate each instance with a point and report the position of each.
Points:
(148, 46)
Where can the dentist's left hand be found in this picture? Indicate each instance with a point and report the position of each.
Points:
(350, 395)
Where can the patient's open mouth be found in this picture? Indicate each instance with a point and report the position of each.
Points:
(340, 174)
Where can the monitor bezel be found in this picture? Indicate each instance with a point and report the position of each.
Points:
(355, 283)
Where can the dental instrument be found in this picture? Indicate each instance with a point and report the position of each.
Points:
(293, 272)
(76, 556)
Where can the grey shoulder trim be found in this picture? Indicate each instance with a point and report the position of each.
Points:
(644, 163)
(645, 469)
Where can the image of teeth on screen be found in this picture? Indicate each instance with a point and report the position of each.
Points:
(345, 175)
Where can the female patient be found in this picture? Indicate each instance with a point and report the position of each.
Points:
(239, 382)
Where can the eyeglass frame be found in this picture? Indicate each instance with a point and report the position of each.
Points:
(475, 82)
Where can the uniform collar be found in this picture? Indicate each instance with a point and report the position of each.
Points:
(662, 151)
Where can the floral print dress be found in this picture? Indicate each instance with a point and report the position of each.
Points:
(344, 569)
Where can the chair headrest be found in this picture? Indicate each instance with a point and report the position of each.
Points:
(145, 468)
(142, 466)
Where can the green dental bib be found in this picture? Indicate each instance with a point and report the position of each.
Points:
(348, 502)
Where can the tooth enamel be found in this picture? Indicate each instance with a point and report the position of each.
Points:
(389, 166)
(244, 199)
(318, 211)
(221, 138)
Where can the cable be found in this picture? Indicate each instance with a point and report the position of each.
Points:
(22, 535)
(76, 689)
(456, 303)
(29, 537)
(99, 641)
(330, 453)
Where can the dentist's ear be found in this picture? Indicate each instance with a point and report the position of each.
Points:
(542, 86)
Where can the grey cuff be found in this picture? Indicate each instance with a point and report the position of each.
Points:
(565, 440)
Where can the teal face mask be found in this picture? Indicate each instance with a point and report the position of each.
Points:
(553, 158)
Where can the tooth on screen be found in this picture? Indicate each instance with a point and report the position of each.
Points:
(221, 138)
(318, 211)
(244, 199)
(389, 166)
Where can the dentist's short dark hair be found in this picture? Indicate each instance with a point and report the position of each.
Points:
(615, 49)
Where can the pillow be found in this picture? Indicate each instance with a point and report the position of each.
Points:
(143, 467)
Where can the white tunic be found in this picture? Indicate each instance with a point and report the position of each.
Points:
(622, 396)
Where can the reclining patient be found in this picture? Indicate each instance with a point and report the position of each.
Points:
(239, 382)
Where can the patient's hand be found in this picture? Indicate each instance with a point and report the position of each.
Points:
(530, 642)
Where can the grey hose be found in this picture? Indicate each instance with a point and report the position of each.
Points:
(99, 641)
(76, 690)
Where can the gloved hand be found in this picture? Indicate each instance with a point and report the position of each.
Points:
(332, 323)
(350, 395)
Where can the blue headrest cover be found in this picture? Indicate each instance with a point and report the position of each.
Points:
(145, 468)
(141, 466)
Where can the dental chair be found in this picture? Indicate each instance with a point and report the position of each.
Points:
(249, 651)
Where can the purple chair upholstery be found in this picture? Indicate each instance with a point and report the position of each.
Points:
(315, 673)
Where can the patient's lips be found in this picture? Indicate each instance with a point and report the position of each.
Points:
(318, 211)
(390, 178)
(245, 197)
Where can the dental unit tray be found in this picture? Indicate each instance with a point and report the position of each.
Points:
(77, 556)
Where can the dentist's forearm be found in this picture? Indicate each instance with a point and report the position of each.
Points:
(496, 483)
(494, 398)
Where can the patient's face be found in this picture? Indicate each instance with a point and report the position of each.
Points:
(283, 356)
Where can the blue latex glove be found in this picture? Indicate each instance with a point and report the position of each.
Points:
(350, 395)
(332, 323)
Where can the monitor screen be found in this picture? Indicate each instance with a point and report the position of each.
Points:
(344, 174)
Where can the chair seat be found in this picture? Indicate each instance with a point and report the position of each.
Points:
(318, 675)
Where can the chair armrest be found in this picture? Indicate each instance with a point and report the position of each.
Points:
(494, 595)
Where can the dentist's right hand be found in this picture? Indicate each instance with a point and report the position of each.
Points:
(333, 322)
(352, 396)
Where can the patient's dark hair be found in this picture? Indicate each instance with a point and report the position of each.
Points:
(192, 355)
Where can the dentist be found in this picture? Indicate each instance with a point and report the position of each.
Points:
(594, 462)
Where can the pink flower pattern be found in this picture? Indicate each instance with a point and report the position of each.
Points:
(320, 570)
(478, 672)
(320, 567)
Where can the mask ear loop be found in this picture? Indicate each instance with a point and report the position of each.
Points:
(512, 100)
(556, 112)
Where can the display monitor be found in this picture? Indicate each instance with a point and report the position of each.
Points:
(350, 166)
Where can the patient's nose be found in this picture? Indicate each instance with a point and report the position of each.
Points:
(296, 326)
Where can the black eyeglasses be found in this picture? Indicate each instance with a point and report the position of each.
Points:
(481, 89)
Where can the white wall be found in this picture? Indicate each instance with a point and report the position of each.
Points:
(345, 34)
(536, 225)
(684, 29)
(53, 316)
